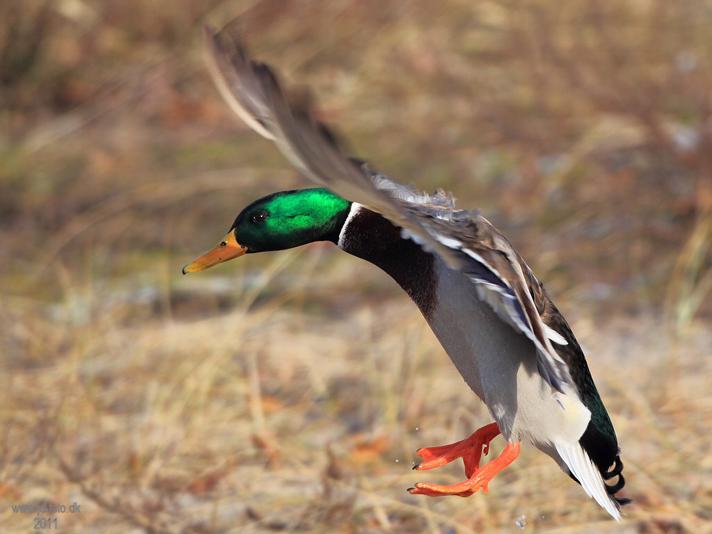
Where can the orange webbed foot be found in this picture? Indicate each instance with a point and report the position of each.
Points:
(470, 450)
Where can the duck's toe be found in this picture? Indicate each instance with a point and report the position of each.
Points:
(478, 480)
(469, 449)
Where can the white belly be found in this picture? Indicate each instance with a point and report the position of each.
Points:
(499, 365)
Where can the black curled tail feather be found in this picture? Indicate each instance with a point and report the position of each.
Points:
(616, 471)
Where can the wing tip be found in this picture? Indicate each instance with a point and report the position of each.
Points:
(246, 85)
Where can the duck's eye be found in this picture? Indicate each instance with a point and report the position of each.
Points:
(259, 217)
(223, 243)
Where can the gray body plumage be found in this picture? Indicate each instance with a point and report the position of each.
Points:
(500, 366)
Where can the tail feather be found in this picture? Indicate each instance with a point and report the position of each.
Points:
(617, 469)
(612, 489)
(587, 474)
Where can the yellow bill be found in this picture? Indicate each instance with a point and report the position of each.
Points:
(226, 250)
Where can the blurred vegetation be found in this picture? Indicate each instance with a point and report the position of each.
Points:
(583, 129)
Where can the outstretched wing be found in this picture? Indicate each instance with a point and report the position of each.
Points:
(255, 95)
(463, 239)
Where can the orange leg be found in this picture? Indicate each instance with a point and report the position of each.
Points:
(470, 450)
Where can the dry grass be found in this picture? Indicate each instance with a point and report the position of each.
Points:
(289, 392)
(279, 417)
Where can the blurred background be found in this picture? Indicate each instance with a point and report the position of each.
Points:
(289, 391)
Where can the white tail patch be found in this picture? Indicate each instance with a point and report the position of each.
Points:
(588, 475)
(554, 336)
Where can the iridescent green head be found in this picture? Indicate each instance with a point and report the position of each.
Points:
(279, 221)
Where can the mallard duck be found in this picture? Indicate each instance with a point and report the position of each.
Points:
(490, 313)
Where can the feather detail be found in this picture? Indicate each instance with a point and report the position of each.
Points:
(554, 336)
(588, 475)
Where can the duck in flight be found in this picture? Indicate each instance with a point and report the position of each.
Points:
(490, 313)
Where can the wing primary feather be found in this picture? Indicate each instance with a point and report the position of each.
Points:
(253, 92)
